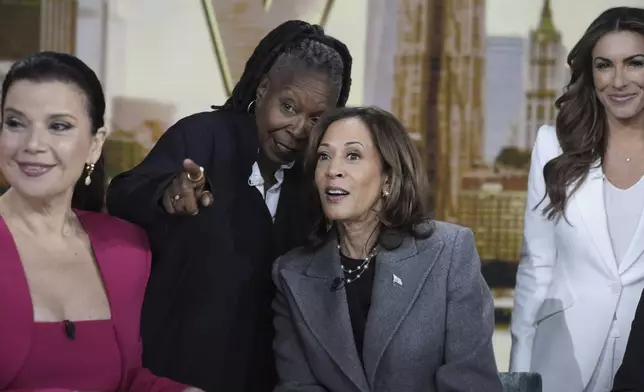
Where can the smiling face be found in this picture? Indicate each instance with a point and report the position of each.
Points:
(348, 174)
(288, 105)
(618, 74)
(46, 138)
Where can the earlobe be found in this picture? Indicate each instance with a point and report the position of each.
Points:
(97, 143)
(261, 88)
(385, 188)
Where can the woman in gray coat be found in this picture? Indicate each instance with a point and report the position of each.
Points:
(384, 299)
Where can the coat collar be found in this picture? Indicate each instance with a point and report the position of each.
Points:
(399, 277)
(591, 203)
(590, 200)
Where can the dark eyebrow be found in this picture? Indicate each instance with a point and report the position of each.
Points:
(629, 58)
(11, 110)
(55, 116)
(347, 144)
(61, 116)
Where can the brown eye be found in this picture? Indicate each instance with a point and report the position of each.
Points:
(288, 107)
(637, 63)
(60, 126)
(12, 123)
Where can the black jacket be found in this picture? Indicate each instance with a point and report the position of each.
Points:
(206, 318)
(630, 376)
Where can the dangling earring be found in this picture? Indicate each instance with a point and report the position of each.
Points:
(250, 105)
(90, 169)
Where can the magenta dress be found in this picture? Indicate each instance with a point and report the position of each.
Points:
(89, 362)
(96, 356)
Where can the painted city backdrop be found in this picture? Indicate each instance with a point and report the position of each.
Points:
(472, 79)
(473, 102)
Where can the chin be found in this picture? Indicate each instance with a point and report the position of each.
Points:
(36, 190)
(336, 213)
(277, 156)
(626, 113)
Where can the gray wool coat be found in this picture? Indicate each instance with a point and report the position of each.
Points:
(429, 327)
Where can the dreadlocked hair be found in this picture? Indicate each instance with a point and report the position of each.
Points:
(315, 56)
(293, 43)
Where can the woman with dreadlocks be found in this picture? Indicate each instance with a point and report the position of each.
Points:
(221, 196)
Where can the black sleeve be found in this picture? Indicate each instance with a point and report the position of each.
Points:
(135, 195)
(629, 377)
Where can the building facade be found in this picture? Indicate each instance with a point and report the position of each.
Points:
(29, 26)
(546, 70)
(438, 90)
(492, 204)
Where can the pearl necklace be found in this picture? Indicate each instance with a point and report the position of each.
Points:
(359, 270)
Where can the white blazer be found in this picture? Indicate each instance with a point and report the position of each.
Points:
(569, 287)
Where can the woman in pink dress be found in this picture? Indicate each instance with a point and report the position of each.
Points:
(71, 278)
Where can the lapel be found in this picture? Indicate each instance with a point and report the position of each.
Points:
(109, 272)
(16, 309)
(112, 266)
(295, 217)
(247, 145)
(399, 277)
(636, 247)
(590, 200)
(326, 311)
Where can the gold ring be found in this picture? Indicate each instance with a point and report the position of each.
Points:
(198, 178)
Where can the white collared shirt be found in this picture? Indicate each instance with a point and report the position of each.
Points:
(272, 196)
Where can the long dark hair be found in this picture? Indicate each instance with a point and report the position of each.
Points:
(581, 121)
(52, 66)
(291, 37)
(405, 208)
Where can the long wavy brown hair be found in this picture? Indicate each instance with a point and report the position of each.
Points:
(581, 120)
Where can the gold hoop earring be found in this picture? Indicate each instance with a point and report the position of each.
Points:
(90, 169)
(250, 105)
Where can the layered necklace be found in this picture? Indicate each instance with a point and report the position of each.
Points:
(353, 274)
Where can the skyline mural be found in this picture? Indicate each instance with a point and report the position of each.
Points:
(473, 102)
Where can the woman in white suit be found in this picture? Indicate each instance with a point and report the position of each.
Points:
(582, 265)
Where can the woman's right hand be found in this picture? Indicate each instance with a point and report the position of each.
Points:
(186, 194)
